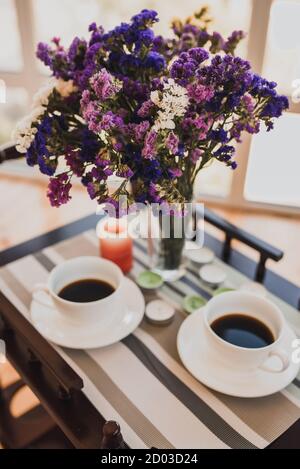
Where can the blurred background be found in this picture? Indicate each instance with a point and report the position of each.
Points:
(267, 180)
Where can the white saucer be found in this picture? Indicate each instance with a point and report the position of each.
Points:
(57, 330)
(206, 368)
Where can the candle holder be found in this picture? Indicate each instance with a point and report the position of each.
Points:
(115, 244)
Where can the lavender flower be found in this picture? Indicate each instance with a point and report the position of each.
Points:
(105, 85)
(59, 190)
(150, 145)
(172, 142)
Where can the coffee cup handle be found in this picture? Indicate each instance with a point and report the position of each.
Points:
(44, 300)
(284, 358)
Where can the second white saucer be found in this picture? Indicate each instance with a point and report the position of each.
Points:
(204, 366)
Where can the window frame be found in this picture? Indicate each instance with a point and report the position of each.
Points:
(256, 52)
(30, 78)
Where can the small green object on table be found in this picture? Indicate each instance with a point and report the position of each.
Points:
(221, 290)
(193, 302)
(149, 280)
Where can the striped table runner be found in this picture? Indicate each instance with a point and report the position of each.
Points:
(140, 381)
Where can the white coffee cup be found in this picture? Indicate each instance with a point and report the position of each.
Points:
(100, 311)
(242, 358)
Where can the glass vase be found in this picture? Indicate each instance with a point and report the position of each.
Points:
(166, 245)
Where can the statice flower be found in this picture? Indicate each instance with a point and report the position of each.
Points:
(105, 85)
(199, 92)
(196, 155)
(219, 135)
(175, 172)
(140, 130)
(217, 42)
(172, 103)
(44, 53)
(155, 61)
(124, 172)
(232, 41)
(145, 109)
(24, 134)
(149, 149)
(150, 109)
(172, 142)
(145, 17)
(59, 190)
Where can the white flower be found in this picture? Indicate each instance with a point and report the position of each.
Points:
(155, 97)
(26, 129)
(65, 88)
(172, 103)
(23, 137)
(24, 132)
(41, 98)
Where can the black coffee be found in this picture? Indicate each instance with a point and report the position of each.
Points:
(87, 290)
(242, 330)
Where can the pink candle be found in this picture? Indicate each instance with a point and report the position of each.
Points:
(115, 243)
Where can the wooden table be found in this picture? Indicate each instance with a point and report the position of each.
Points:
(59, 388)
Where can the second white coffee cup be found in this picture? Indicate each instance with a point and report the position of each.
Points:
(242, 358)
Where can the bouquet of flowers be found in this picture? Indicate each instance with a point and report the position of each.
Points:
(150, 110)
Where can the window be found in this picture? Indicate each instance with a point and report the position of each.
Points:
(276, 154)
(10, 50)
(274, 164)
(282, 58)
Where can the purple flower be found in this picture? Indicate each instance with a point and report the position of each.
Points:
(153, 194)
(77, 50)
(198, 123)
(145, 17)
(249, 103)
(59, 190)
(118, 146)
(145, 37)
(196, 155)
(140, 130)
(172, 142)
(175, 172)
(183, 68)
(110, 120)
(155, 61)
(44, 53)
(217, 42)
(275, 107)
(104, 85)
(124, 172)
(198, 54)
(149, 149)
(224, 154)
(74, 161)
(199, 92)
(92, 189)
(233, 41)
(134, 89)
(145, 109)
(219, 135)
